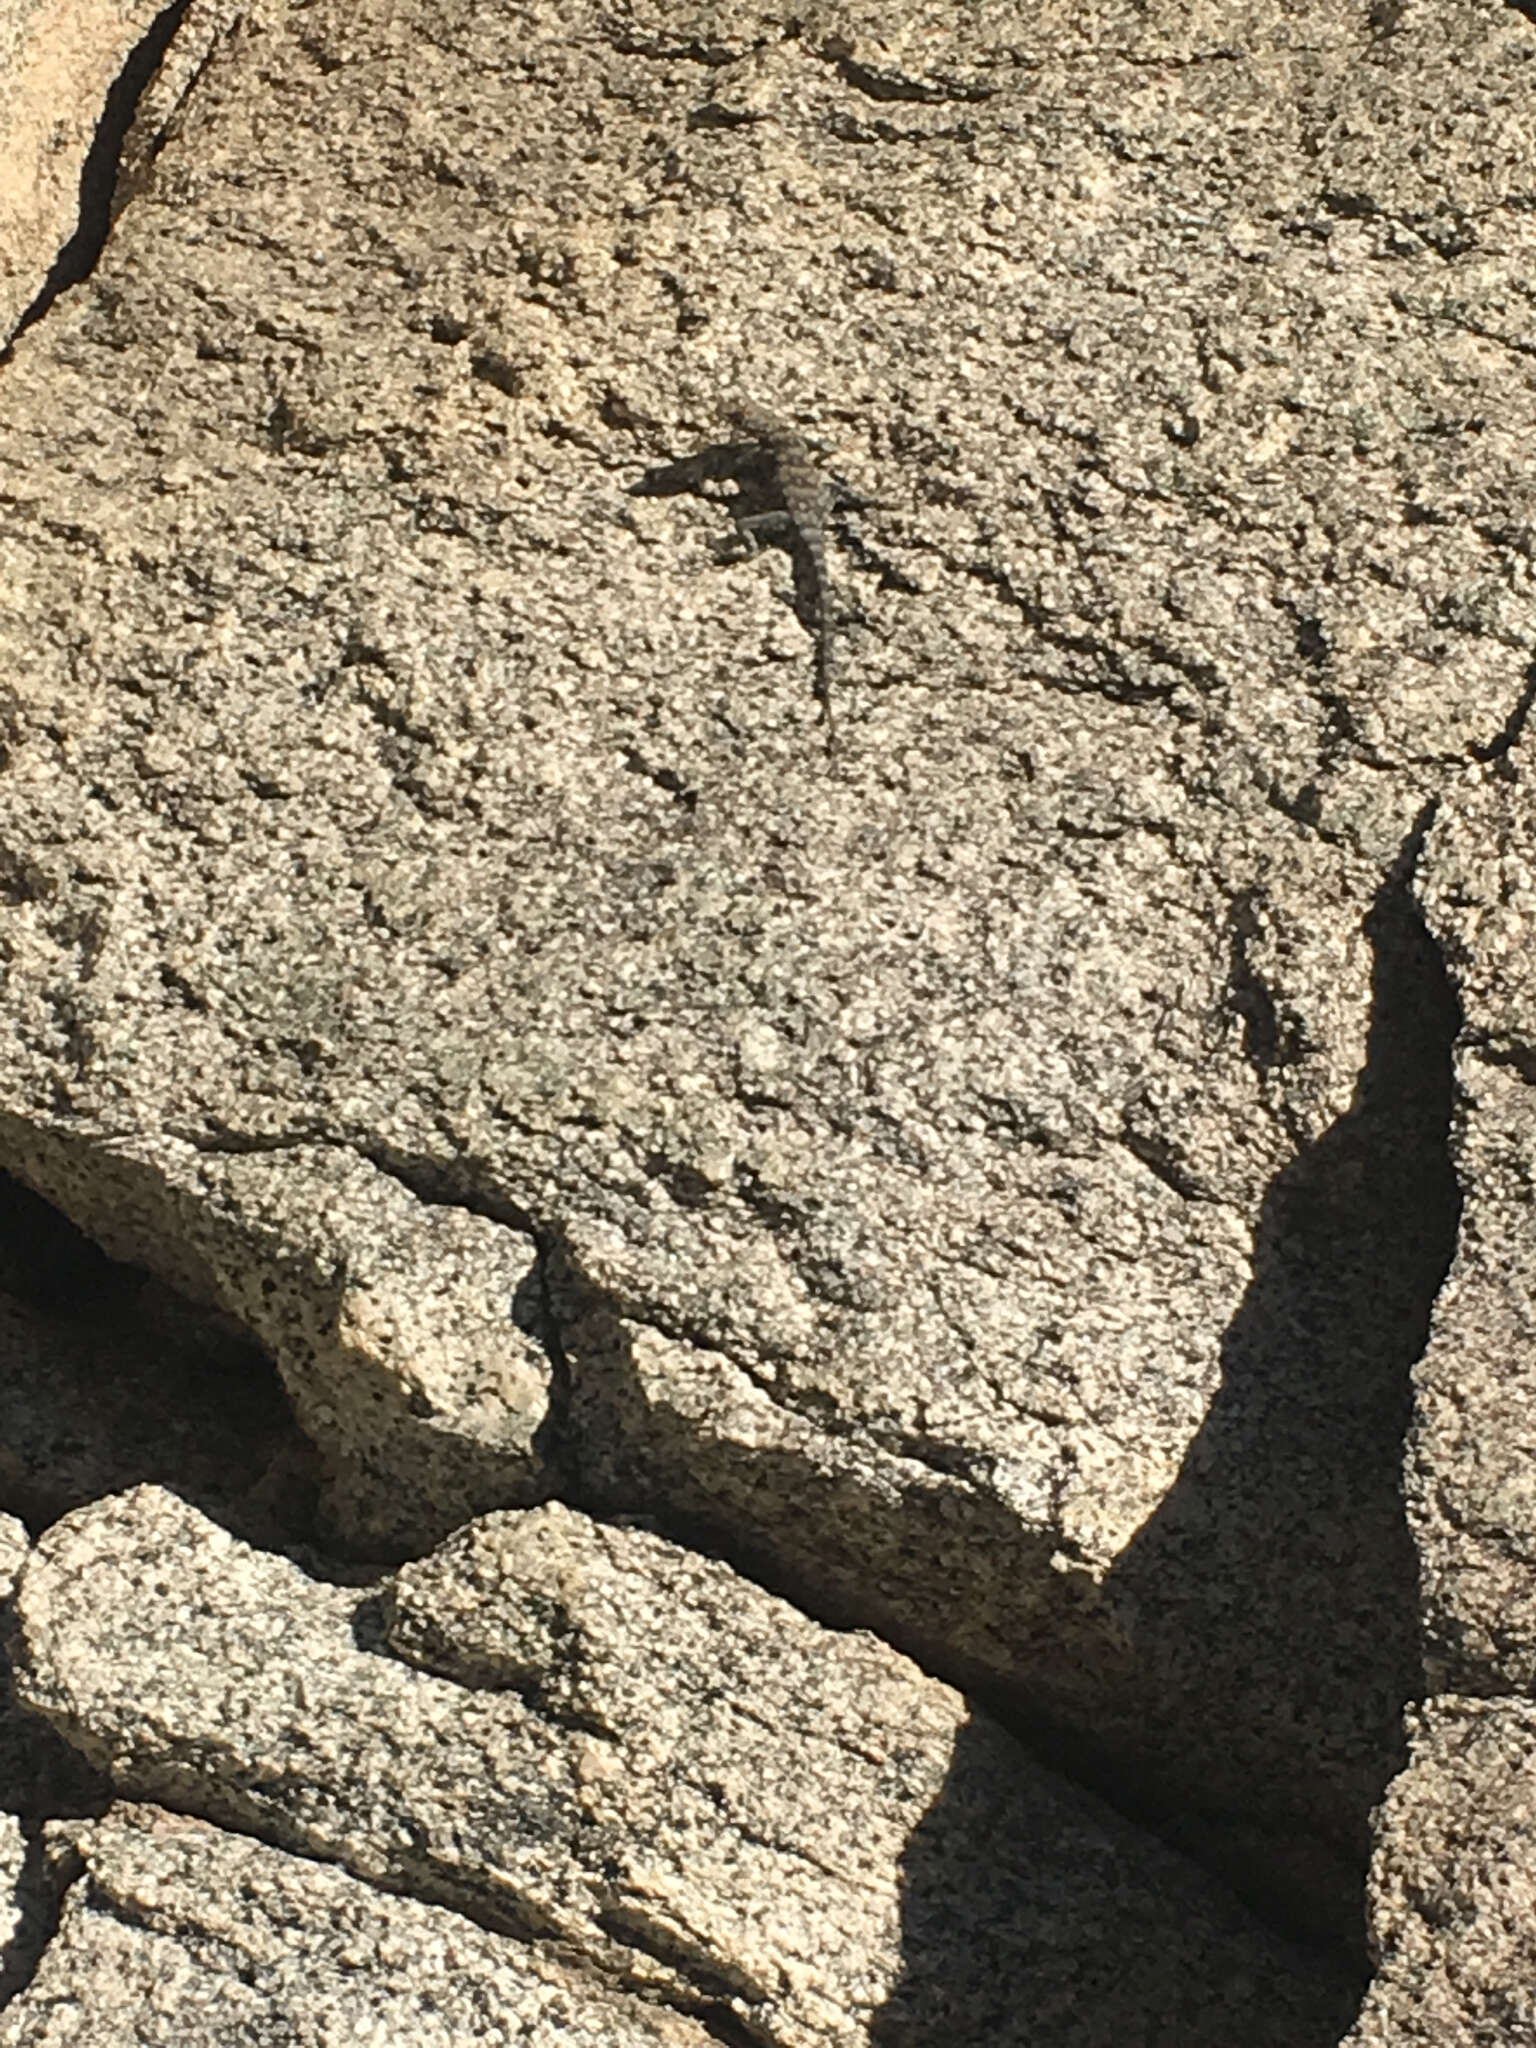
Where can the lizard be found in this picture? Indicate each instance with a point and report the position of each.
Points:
(806, 502)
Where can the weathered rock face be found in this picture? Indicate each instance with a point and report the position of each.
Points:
(992, 1180)
(617, 1746)
(1453, 1884)
(1472, 1486)
(56, 65)
(174, 1932)
(1453, 1887)
(89, 90)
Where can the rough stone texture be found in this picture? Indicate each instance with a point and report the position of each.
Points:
(14, 1545)
(39, 1772)
(1453, 1884)
(173, 1933)
(994, 1184)
(197, 27)
(14, 1900)
(625, 1748)
(1472, 1478)
(972, 1175)
(390, 1321)
(13, 1549)
(1453, 1880)
(57, 60)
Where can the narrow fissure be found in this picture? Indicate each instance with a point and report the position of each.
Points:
(98, 174)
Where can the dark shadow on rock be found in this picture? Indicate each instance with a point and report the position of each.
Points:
(1274, 1595)
(37, 1899)
(1237, 1684)
(41, 1779)
(1275, 1591)
(1035, 1917)
(108, 1379)
(943, 1571)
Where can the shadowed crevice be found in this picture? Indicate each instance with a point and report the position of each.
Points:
(38, 1899)
(98, 174)
(1091, 1952)
(109, 1379)
(1272, 1600)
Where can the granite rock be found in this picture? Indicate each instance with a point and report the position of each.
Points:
(589, 1737)
(172, 1932)
(991, 1182)
(1471, 1483)
(57, 66)
(964, 1177)
(1453, 1884)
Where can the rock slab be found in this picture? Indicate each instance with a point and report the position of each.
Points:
(172, 1932)
(610, 1744)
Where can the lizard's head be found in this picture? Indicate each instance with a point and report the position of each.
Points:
(746, 416)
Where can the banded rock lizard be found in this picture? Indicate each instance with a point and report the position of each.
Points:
(806, 504)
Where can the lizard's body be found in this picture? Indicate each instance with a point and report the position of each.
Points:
(807, 503)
